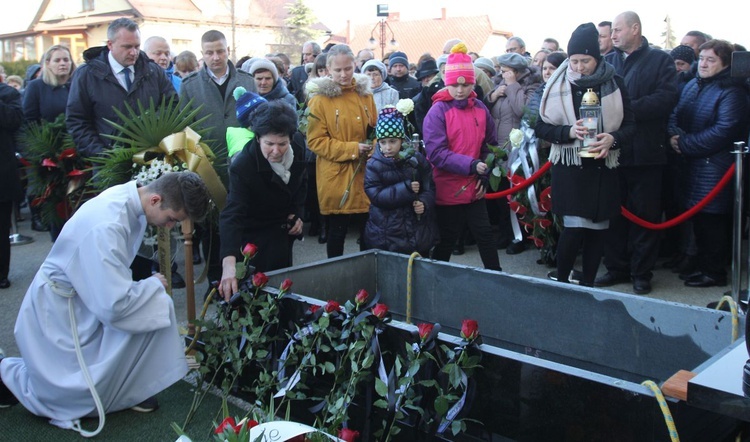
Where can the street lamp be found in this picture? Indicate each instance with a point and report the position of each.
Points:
(382, 11)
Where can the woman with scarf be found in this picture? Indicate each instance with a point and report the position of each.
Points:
(585, 191)
(267, 188)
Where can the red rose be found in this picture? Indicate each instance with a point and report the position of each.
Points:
(285, 285)
(249, 250)
(380, 310)
(227, 422)
(332, 306)
(260, 279)
(469, 329)
(314, 308)
(424, 330)
(515, 180)
(348, 435)
(361, 296)
(537, 242)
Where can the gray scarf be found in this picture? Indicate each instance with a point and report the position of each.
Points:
(282, 169)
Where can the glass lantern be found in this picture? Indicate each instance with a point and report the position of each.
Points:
(591, 113)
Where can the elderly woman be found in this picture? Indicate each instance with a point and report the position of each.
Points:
(345, 115)
(267, 187)
(507, 103)
(710, 116)
(585, 189)
(383, 94)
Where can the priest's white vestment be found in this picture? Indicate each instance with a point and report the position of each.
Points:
(127, 330)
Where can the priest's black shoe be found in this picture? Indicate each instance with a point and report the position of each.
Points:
(689, 275)
(611, 278)
(6, 397)
(4, 283)
(703, 280)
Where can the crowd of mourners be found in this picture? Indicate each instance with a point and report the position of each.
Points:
(330, 145)
(399, 152)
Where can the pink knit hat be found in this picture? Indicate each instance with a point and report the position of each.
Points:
(459, 68)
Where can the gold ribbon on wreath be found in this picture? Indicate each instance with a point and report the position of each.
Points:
(184, 147)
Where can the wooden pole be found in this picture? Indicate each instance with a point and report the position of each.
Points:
(187, 233)
(163, 237)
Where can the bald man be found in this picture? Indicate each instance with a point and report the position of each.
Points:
(158, 51)
(649, 76)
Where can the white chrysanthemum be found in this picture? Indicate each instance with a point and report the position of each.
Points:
(175, 169)
(312, 88)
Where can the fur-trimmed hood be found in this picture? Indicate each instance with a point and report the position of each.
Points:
(327, 87)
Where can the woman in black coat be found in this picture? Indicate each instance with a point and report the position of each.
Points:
(710, 116)
(11, 118)
(585, 191)
(267, 188)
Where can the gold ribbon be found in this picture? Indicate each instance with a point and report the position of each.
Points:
(185, 147)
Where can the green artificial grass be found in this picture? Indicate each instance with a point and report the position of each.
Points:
(17, 424)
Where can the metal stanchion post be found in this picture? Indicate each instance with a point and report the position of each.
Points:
(740, 149)
(16, 239)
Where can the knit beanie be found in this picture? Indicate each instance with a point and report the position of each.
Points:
(390, 124)
(248, 64)
(247, 102)
(584, 40)
(398, 57)
(442, 60)
(513, 60)
(684, 53)
(264, 64)
(377, 64)
(485, 63)
(459, 68)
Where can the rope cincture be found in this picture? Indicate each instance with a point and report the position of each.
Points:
(673, 436)
(625, 212)
(735, 315)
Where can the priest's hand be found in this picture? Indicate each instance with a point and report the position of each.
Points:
(228, 285)
(161, 279)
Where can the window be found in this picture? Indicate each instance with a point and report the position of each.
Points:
(87, 5)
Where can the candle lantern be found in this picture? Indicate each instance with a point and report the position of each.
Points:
(591, 113)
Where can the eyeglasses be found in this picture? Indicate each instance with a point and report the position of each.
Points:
(514, 49)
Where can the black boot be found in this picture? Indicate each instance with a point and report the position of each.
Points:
(36, 222)
(323, 238)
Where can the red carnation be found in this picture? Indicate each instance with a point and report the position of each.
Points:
(380, 310)
(469, 329)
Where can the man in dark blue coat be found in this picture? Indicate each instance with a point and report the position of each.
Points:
(113, 75)
(650, 81)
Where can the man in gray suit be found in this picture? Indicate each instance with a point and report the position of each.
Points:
(213, 87)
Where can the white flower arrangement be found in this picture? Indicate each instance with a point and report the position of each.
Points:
(312, 87)
(154, 170)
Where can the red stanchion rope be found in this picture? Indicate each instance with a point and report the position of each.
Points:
(685, 216)
(625, 212)
(522, 185)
